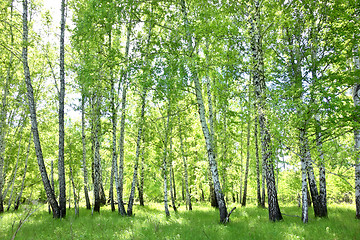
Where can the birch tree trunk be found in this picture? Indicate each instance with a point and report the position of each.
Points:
(259, 86)
(205, 129)
(141, 180)
(322, 178)
(188, 196)
(125, 76)
(52, 180)
(34, 125)
(259, 199)
(247, 155)
(165, 163)
(114, 166)
(18, 198)
(171, 176)
(61, 167)
(83, 139)
(311, 178)
(97, 167)
(304, 190)
(138, 148)
(356, 98)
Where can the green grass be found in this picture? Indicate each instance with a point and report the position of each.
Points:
(150, 222)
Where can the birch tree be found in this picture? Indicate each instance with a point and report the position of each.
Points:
(260, 94)
(61, 166)
(34, 124)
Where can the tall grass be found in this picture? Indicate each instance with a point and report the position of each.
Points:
(150, 222)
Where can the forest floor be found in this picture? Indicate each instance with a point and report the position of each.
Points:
(150, 222)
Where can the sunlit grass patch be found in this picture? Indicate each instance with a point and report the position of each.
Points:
(150, 222)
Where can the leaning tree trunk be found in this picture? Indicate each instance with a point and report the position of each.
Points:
(34, 125)
(188, 197)
(18, 198)
(259, 86)
(224, 218)
(83, 136)
(304, 189)
(61, 166)
(136, 163)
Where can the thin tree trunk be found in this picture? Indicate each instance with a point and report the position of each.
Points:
(322, 176)
(69, 200)
(138, 148)
(311, 178)
(74, 193)
(52, 180)
(125, 76)
(356, 98)
(209, 145)
(61, 166)
(304, 190)
(114, 166)
(259, 200)
(165, 163)
(16, 168)
(241, 165)
(174, 186)
(247, 158)
(97, 167)
(141, 180)
(171, 176)
(188, 196)
(259, 85)
(83, 138)
(18, 199)
(34, 125)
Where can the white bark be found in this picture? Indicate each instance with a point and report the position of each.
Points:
(260, 87)
(205, 129)
(304, 215)
(83, 136)
(166, 206)
(356, 98)
(125, 77)
(34, 125)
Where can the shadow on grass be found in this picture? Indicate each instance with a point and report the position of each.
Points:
(150, 222)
